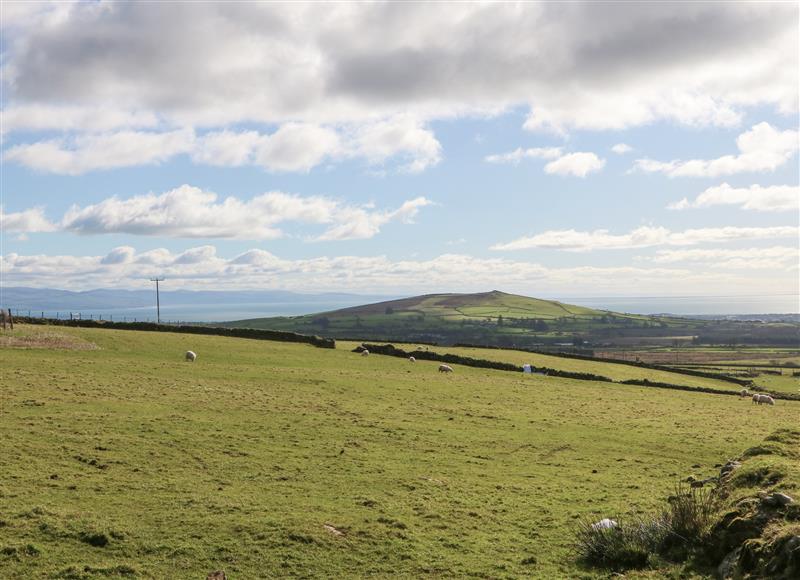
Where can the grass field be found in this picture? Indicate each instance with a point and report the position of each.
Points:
(616, 372)
(282, 460)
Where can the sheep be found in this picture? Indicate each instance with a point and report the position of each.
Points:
(190, 356)
(412, 359)
(365, 352)
(763, 399)
(445, 369)
(744, 393)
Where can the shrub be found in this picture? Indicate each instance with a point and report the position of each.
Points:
(630, 544)
(635, 543)
(690, 515)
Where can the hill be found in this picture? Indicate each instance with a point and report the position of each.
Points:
(271, 459)
(500, 319)
(487, 318)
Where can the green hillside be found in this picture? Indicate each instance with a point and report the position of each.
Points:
(281, 460)
(487, 318)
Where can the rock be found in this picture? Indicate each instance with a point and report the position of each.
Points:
(728, 468)
(217, 575)
(727, 568)
(777, 499)
(605, 524)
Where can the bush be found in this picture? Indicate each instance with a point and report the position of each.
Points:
(630, 544)
(691, 515)
(635, 543)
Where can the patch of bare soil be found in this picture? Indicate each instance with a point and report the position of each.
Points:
(27, 338)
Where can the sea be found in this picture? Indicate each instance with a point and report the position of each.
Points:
(217, 312)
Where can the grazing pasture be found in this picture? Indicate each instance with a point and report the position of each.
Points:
(616, 372)
(269, 459)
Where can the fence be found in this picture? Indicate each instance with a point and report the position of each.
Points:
(275, 335)
(79, 315)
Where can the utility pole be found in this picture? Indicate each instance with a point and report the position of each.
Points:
(158, 303)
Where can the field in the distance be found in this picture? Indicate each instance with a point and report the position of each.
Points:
(125, 460)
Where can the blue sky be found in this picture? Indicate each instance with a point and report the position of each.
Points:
(384, 142)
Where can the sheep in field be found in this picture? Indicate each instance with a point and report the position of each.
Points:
(744, 393)
(365, 352)
(763, 399)
(190, 356)
(412, 359)
(445, 369)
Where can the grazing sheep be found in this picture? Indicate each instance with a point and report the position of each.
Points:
(365, 352)
(445, 369)
(190, 356)
(744, 393)
(412, 359)
(763, 399)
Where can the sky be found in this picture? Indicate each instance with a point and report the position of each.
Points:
(550, 149)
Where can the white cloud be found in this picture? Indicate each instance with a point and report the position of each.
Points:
(297, 147)
(755, 197)
(204, 268)
(190, 212)
(104, 151)
(577, 164)
(26, 222)
(621, 148)
(758, 258)
(514, 157)
(37, 117)
(642, 237)
(763, 148)
(227, 148)
(359, 224)
(403, 136)
(582, 65)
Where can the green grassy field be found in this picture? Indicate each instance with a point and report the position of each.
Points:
(282, 460)
(616, 372)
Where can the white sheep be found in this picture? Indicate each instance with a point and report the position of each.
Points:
(445, 369)
(365, 352)
(412, 359)
(763, 399)
(190, 356)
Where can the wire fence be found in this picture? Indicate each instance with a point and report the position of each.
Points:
(79, 315)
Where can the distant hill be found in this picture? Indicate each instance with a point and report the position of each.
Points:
(487, 318)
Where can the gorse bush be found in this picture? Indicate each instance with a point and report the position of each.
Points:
(636, 542)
